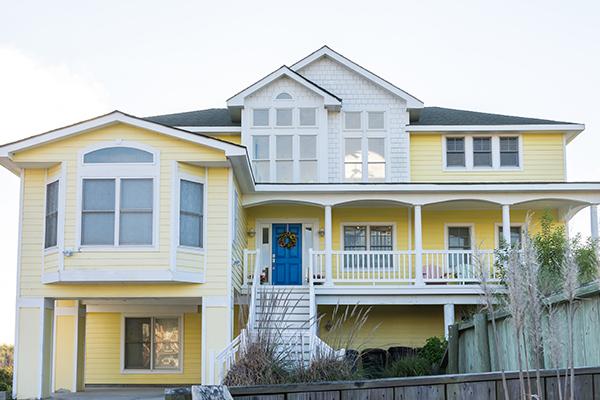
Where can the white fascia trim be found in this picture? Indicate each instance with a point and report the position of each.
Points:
(114, 118)
(411, 101)
(495, 128)
(430, 187)
(211, 129)
(97, 276)
(238, 99)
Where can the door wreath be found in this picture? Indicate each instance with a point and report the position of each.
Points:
(287, 240)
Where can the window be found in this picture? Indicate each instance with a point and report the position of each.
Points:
(152, 343)
(352, 120)
(191, 213)
(308, 117)
(283, 96)
(515, 236)
(353, 159)
(118, 155)
(51, 234)
(283, 117)
(260, 117)
(482, 152)
(459, 238)
(308, 158)
(509, 151)
(375, 238)
(284, 158)
(100, 216)
(260, 157)
(455, 152)
(376, 120)
(376, 159)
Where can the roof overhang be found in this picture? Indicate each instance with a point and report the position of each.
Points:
(411, 101)
(571, 130)
(330, 100)
(8, 150)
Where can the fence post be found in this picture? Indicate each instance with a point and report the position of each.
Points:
(453, 349)
(480, 325)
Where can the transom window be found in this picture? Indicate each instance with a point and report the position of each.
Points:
(51, 229)
(364, 149)
(284, 96)
(120, 154)
(152, 343)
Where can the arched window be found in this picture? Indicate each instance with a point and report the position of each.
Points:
(120, 154)
(283, 96)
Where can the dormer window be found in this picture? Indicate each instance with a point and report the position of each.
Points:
(118, 155)
(283, 96)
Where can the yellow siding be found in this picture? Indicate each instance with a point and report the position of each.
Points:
(171, 149)
(234, 138)
(386, 326)
(543, 160)
(51, 261)
(103, 353)
(240, 239)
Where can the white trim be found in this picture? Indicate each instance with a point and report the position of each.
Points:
(230, 242)
(114, 118)
(152, 370)
(469, 152)
(215, 301)
(118, 275)
(495, 128)
(411, 101)
(469, 225)
(202, 180)
(238, 99)
(148, 309)
(18, 286)
(344, 224)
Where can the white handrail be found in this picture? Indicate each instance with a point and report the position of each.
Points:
(311, 295)
(254, 293)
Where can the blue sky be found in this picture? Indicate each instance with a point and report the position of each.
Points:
(63, 61)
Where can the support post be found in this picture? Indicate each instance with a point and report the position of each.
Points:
(506, 224)
(480, 325)
(448, 318)
(594, 221)
(69, 337)
(216, 334)
(418, 248)
(453, 349)
(328, 248)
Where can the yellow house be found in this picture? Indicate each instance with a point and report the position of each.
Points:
(140, 237)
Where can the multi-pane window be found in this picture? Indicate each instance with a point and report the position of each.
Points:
(260, 157)
(455, 152)
(308, 116)
(509, 151)
(308, 158)
(152, 343)
(364, 146)
(373, 238)
(515, 235)
(132, 213)
(283, 117)
(260, 117)
(51, 234)
(191, 213)
(459, 238)
(284, 158)
(482, 151)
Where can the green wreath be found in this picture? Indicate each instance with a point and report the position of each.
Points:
(287, 240)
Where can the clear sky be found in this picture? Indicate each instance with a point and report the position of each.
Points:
(64, 61)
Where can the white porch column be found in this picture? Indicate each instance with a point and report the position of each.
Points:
(418, 247)
(448, 317)
(328, 247)
(594, 221)
(506, 223)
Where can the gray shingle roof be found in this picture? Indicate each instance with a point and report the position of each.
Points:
(210, 117)
(449, 116)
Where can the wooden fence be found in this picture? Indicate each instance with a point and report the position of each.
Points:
(484, 386)
(471, 344)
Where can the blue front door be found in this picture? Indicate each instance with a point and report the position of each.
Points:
(287, 262)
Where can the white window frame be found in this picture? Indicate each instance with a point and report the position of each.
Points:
(60, 210)
(469, 225)
(176, 199)
(495, 139)
(497, 227)
(368, 225)
(365, 134)
(118, 171)
(151, 370)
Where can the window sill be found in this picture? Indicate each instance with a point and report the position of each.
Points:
(51, 250)
(151, 372)
(189, 249)
(102, 249)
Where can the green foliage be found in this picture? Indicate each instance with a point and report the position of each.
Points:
(434, 350)
(586, 257)
(409, 366)
(6, 376)
(550, 244)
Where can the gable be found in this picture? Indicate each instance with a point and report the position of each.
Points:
(268, 93)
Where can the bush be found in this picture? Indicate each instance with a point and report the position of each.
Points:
(6, 376)
(409, 366)
(550, 244)
(434, 350)
(586, 257)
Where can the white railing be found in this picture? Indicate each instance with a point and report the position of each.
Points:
(227, 357)
(251, 258)
(459, 266)
(253, 292)
(384, 267)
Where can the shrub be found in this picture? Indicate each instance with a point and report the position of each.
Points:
(434, 350)
(586, 257)
(409, 366)
(6, 376)
(550, 244)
